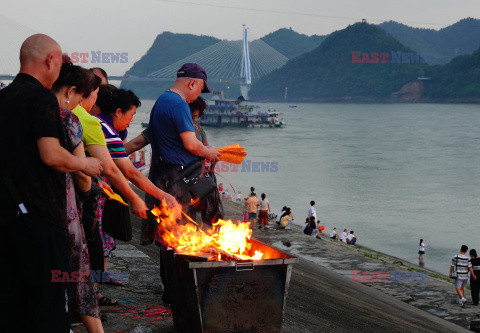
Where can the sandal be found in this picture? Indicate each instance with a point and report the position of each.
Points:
(106, 301)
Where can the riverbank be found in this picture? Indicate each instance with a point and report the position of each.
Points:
(321, 298)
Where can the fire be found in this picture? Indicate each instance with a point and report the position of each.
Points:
(225, 240)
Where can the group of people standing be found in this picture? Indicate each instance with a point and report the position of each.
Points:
(66, 128)
(257, 208)
(463, 264)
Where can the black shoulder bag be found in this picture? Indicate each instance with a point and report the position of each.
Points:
(116, 220)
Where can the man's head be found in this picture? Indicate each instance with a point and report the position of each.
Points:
(191, 81)
(464, 249)
(334, 229)
(253, 194)
(100, 72)
(312, 203)
(351, 231)
(41, 57)
(344, 230)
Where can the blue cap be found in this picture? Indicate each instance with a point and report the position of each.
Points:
(195, 71)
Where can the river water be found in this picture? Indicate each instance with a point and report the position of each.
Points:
(393, 173)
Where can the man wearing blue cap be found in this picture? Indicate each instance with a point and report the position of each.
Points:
(175, 146)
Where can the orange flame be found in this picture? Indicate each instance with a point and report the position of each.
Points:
(224, 240)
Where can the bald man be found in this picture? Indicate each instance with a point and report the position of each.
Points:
(34, 239)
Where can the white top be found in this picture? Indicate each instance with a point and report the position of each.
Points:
(312, 212)
(332, 233)
(422, 247)
(264, 204)
(350, 236)
(343, 236)
(279, 216)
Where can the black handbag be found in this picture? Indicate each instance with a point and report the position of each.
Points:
(116, 220)
(198, 187)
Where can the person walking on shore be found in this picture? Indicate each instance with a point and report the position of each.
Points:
(460, 265)
(474, 276)
(263, 213)
(251, 205)
(421, 251)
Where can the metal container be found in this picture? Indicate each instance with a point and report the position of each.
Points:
(229, 296)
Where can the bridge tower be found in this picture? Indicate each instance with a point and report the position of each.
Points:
(245, 72)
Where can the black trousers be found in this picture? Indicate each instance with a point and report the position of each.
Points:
(475, 287)
(30, 249)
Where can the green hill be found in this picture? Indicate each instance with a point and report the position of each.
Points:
(459, 80)
(290, 43)
(328, 73)
(165, 50)
(441, 45)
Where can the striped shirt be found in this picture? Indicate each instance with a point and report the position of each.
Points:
(461, 263)
(114, 142)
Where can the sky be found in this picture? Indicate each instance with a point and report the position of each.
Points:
(131, 26)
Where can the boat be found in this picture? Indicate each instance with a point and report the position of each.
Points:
(236, 113)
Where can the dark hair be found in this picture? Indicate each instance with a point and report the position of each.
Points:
(252, 189)
(101, 71)
(284, 208)
(312, 203)
(473, 253)
(110, 98)
(263, 196)
(464, 248)
(198, 104)
(312, 218)
(75, 76)
(351, 231)
(252, 194)
(421, 241)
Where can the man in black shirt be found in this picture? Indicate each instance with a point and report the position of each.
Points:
(34, 238)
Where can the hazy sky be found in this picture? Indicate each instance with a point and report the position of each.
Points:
(131, 26)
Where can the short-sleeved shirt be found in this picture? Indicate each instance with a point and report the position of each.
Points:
(28, 112)
(264, 204)
(92, 130)
(114, 142)
(200, 134)
(312, 212)
(170, 117)
(343, 236)
(252, 204)
(421, 247)
(461, 263)
(475, 262)
(350, 236)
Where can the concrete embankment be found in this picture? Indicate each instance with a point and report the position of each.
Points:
(321, 298)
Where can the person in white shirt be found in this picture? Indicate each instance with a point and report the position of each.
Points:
(351, 239)
(461, 265)
(279, 216)
(343, 236)
(334, 234)
(421, 251)
(312, 211)
(263, 213)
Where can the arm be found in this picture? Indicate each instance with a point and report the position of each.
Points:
(136, 177)
(451, 271)
(136, 144)
(471, 272)
(115, 176)
(83, 181)
(59, 159)
(191, 143)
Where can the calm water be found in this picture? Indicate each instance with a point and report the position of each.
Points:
(392, 173)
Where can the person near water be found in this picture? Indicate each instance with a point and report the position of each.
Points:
(474, 276)
(460, 266)
(263, 212)
(421, 251)
(251, 205)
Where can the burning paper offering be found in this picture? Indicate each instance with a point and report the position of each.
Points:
(224, 240)
(114, 196)
(232, 154)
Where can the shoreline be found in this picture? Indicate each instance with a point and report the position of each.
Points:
(421, 287)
